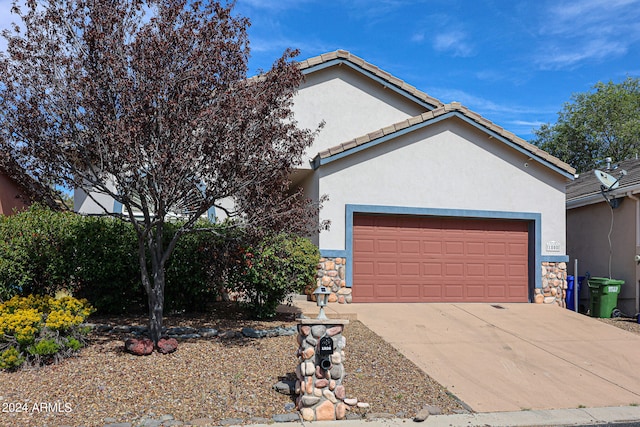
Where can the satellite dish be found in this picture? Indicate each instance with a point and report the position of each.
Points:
(608, 182)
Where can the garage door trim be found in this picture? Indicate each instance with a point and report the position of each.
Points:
(534, 219)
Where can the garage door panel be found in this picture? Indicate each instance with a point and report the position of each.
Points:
(410, 292)
(431, 292)
(410, 269)
(439, 259)
(432, 269)
(454, 270)
(454, 291)
(454, 248)
(432, 247)
(363, 246)
(364, 268)
(387, 269)
(389, 246)
(495, 248)
(476, 270)
(409, 247)
(518, 249)
(476, 290)
(475, 248)
(386, 290)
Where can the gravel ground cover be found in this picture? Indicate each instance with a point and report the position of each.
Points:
(212, 379)
(630, 325)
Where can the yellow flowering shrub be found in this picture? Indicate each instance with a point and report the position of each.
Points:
(11, 358)
(35, 326)
(23, 324)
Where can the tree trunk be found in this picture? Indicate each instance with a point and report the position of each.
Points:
(156, 309)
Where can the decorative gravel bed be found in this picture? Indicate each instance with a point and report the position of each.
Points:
(630, 325)
(207, 380)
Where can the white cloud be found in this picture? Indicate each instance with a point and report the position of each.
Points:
(575, 32)
(454, 42)
(417, 37)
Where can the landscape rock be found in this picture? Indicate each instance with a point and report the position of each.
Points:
(285, 387)
(422, 415)
(286, 418)
(167, 345)
(231, 422)
(139, 346)
(208, 332)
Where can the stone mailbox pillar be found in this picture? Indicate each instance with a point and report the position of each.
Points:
(320, 370)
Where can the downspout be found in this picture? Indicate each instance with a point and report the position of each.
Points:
(630, 195)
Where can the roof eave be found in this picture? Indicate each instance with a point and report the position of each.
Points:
(593, 198)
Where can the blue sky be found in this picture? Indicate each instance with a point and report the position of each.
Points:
(515, 62)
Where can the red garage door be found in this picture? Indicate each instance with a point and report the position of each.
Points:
(404, 258)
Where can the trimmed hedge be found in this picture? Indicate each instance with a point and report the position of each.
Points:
(42, 252)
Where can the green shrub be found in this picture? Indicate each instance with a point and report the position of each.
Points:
(39, 329)
(11, 359)
(46, 347)
(188, 287)
(35, 251)
(273, 269)
(105, 265)
(96, 258)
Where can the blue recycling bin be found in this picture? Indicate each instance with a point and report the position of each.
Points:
(571, 288)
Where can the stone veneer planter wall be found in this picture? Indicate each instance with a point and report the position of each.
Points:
(321, 395)
(331, 273)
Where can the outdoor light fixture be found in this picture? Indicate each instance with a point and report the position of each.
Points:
(322, 298)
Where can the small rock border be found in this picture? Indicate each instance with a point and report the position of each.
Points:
(187, 332)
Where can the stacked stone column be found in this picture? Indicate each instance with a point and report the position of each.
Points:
(554, 284)
(320, 391)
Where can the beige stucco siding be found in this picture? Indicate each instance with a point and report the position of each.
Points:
(587, 233)
(447, 165)
(349, 104)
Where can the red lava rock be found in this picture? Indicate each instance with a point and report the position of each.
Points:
(139, 347)
(167, 345)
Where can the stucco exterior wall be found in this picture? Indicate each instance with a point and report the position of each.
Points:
(447, 165)
(349, 104)
(587, 233)
(11, 196)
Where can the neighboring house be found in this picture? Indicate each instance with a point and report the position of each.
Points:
(427, 201)
(590, 220)
(13, 196)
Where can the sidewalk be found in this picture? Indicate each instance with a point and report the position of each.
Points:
(555, 417)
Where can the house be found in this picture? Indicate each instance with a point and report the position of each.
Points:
(427, 201)
(592, 222)
(13, 196)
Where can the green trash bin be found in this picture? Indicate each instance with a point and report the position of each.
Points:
(604, 296)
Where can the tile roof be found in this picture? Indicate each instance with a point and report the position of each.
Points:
(364, 65)
(588, 185)
(454, 107)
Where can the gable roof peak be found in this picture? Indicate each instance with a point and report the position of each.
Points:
(344, 56)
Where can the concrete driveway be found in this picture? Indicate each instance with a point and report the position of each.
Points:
(518, 357)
